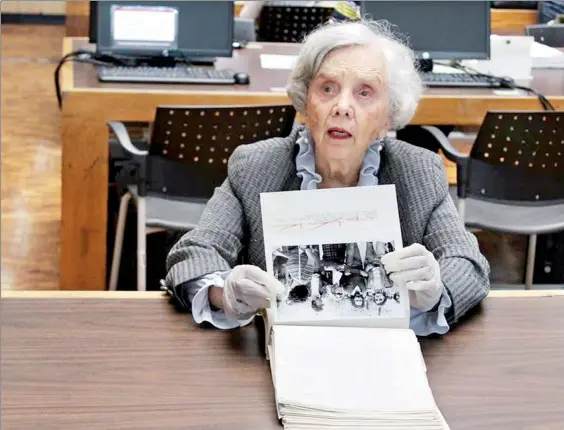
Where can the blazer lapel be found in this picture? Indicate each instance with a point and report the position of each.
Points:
(294, 183)
(385, 177)
(384, 174)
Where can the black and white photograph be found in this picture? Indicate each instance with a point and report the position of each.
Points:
(339, 279)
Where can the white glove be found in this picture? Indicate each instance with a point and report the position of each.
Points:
(416, 268)
(247, 289)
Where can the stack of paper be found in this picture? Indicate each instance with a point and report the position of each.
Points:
(350, 377)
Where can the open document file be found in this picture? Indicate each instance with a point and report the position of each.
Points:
(341, 352)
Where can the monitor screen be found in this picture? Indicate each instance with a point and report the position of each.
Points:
(165, 28)
(438, 30)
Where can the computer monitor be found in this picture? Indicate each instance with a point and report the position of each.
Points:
(93, 22)
(438, 30)
(165, 29)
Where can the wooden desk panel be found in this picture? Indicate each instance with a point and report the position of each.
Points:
(93, 363)
(512, 21)
(77, 19)
(88, 105)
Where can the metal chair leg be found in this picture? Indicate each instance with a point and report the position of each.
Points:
(530, 261)
(118, 244)
(461, 207)
(141, 244)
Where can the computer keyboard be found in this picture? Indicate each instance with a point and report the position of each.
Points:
(431, 79)
(166, 75)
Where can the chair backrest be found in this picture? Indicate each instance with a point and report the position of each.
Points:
(518, 157)
(549, 10)
(290, 23)
(190, 145)
(547, 34)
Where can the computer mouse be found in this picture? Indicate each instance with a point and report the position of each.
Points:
(242, 78)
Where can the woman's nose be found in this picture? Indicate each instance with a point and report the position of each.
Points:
(344, 106)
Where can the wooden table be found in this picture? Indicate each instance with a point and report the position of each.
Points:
(512, 21)
(100, 360)
(88, 105)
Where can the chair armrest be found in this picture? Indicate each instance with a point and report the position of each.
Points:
(450, 151)
(134, 171)
(124, 140)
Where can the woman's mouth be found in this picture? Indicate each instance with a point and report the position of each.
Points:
(338, 133)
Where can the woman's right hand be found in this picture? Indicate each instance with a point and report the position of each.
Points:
(248, 289)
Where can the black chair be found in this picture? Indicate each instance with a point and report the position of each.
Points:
(187, 158)
(513, 179)
(547, 34)
(290, 23)
(550, 11)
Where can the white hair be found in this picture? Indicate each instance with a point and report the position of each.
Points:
(402, 77)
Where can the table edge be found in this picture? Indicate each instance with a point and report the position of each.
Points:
(151, 295)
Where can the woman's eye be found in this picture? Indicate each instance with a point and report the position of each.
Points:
(327, 89)
(365, 93)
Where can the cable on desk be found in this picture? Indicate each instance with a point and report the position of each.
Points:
(91, 57)
(505, 82)
(80, 56)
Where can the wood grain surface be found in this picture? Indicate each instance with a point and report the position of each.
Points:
(136, 364)
(549, 291)
(77, 18)
(31, 157)
(512, 21)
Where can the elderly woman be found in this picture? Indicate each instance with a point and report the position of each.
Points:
(353, 82)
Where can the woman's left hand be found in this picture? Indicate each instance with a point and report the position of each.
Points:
(416, 268)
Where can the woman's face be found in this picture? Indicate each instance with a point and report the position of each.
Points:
(347, 103)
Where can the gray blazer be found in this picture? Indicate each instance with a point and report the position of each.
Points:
(231, 226)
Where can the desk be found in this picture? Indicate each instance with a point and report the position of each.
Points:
(77, 18)
(88, 105)
(100, 360)
(512, 21)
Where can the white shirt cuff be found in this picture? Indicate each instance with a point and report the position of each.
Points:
(201, 310)
(432, 322)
